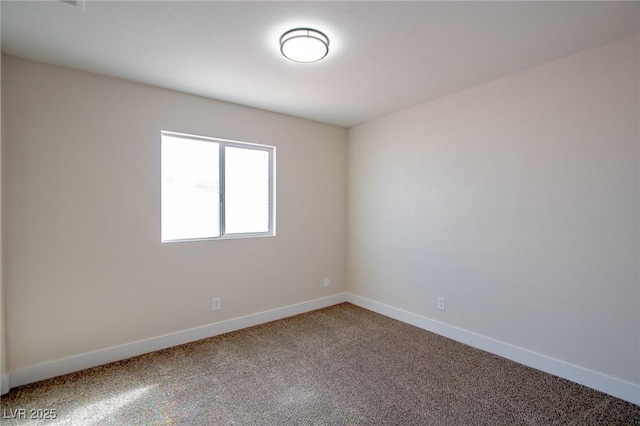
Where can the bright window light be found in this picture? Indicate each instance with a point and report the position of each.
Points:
(190, 189)
(215, 188)
(247, 190)
(99, 411)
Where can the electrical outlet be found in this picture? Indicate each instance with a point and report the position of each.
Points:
(442, 304)
(216, 304)
(327, 282)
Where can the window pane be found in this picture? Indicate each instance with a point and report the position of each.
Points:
(246, 190)
(190, 189)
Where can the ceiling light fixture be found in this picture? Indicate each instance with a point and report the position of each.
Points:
(304, 45)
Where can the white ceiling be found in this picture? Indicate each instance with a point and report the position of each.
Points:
(384, 56)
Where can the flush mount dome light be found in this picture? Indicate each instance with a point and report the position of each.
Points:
(304, 45)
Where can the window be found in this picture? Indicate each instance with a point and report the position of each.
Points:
(215, 188)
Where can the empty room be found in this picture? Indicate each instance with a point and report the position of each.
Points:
(336, 213)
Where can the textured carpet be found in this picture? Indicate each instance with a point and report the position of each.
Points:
(341, 365)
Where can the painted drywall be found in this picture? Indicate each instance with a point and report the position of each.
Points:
(4, 378)
(517, 201)
(85, 268)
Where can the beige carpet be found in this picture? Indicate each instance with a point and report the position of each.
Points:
(337, 366)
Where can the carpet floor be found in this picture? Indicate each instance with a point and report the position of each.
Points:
(342, 365)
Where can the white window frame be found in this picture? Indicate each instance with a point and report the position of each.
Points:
(222, 143)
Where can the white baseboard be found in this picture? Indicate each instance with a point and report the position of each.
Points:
(116, 353)
(5, 383)
(610, 385)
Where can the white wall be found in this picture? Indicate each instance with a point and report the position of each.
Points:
(85, 269)
(4, 378)
(518, 201)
